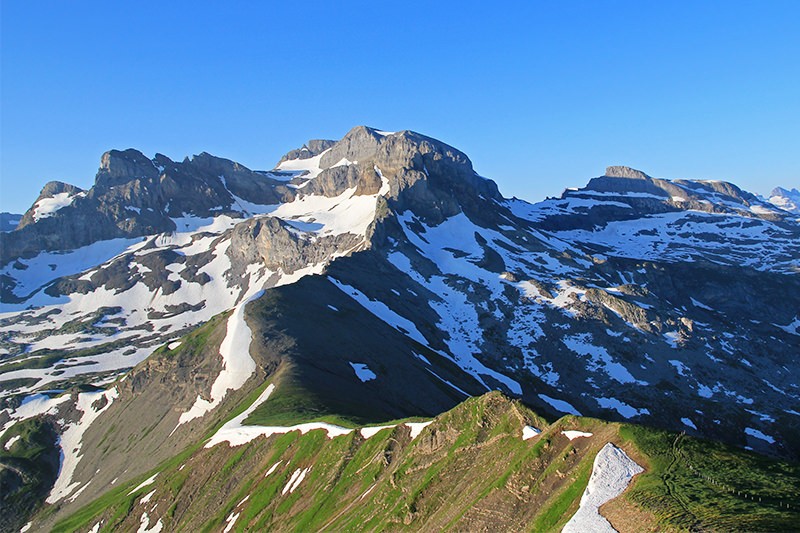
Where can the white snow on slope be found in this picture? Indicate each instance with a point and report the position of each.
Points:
(792, 327)
(611, 474)
(363, 372)
(309, 165)
(48, 266)
(235, 433)
(371, 431)
(145, 523)
(787, 200)
(295, 480)
(144, 483)
(230, 522)
(573, 434)
(36, 404)
(446, 245)
(273, 468)
(599, 358)
(11, 441)
(147, 497)
(382, 311)
(528, 432)
(560, 405)
(70, 441)
(348, 213)
(563, 300)
(238, 365)
(47, 207)
(759, 435)
(245, 434)
(621, 407)
(417, 427)
(701, 305)
(688, 235)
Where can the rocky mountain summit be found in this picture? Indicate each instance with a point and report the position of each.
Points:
(379, 277)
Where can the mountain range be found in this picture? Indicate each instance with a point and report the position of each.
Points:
(201, 313)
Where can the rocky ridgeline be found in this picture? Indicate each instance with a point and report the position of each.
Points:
(624, 193)
(136, 196)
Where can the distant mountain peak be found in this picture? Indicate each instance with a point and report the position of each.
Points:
(780, 191)
(618, 171)
(788, 200)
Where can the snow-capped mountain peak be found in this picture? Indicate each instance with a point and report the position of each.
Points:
(788, 200)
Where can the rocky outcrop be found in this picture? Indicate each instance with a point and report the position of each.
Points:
(278, 246)
(334, 181)
(619, 171)
(312, 148)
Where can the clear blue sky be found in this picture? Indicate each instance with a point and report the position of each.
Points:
(540, 95)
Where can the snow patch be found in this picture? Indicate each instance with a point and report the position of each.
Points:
(238, 365)
(70, 441)
(759, 435)
(295, 480)
(235, 433)
(600, 357)
(572, 434)
(611, 474)
(11, 441)
(363, 372)
(47, 207)
(417, 427)
(144, 525)
(528, 432)
(146, 482)
(371, 431)
(621, 407)
(230, 522)
(273, 468)
(560, 405)
(701, 305)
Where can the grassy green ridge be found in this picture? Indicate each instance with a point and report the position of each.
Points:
(469, 469)
(682, 496)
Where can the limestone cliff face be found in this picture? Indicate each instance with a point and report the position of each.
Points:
(433, 179)
(278, 246)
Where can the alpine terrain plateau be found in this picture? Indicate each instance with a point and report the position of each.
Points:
(371, 337)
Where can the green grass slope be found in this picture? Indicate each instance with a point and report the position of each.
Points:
(468, 470)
